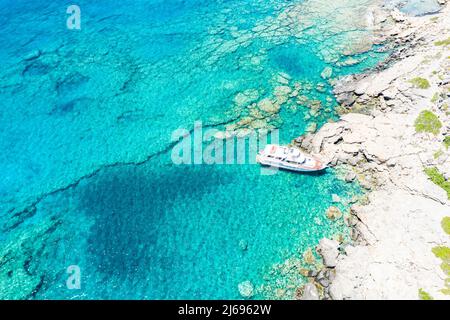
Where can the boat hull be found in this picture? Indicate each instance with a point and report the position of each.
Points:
(296, 168)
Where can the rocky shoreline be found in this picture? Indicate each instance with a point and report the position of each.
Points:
(378, 143)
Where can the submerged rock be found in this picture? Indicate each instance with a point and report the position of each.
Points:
(280, 293)
(223, 135)
(259, 124)
(308, 257)
(246, 289)
(333, 213)
(335, 198)
(327, 73)
(282, 90)
(33, 55)
(312, 127)
(321, 87)
(246, 97)
(268, 106)
(243, 245)
(283, 78)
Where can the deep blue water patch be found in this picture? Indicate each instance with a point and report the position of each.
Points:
(165, 232)
(300, 61)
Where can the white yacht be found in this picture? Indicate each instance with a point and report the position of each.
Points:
(289, 159)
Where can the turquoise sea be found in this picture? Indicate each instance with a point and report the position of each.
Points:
(86, 119)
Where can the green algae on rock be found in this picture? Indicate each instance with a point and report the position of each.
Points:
(421, 83)
(428, 122)
(438, 178)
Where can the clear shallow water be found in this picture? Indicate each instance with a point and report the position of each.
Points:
(83, 111)
(415, 7)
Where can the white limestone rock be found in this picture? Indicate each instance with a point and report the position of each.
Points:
(310, 292)
(329, 250)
